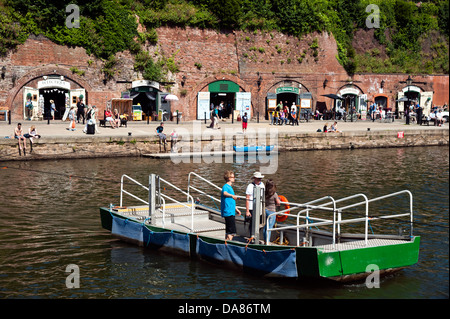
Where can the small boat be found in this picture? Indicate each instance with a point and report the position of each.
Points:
(261, 148)
(307, 241)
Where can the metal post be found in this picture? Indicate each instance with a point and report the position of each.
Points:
(257, 117)
(232, 116)
(258, 206)
(205, 117)
(152, 198)
(178, 117)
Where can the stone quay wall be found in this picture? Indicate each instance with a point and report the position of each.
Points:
(49, 148)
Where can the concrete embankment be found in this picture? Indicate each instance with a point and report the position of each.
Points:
(139, 138)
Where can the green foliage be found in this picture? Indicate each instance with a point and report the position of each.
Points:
(150, 70)
(106, 27)
(110, 26)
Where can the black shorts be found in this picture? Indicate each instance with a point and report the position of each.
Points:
(230, 225)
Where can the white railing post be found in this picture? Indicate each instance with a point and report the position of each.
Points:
(151, 198)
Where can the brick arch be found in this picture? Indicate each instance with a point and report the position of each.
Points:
(273, 84)
(39, 72)
(192, 98)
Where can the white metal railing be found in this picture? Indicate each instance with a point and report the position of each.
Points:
(190, 187)
(192, 206)
(122, 190)
(337, 214)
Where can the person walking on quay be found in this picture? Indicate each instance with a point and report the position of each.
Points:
(52, 109)
(407, 114)
(419, 114)
(18, 134)
(80, 110)
(372, 111)
(228, 205)
(72, 118)
(257, 181)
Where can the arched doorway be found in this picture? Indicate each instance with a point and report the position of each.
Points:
(42, 91)
(226, 94)
(286, 93)
(354, 100)
(147, 94)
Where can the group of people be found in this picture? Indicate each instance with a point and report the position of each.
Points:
(283, 115)
(376, 111)
(436, 116)
(332, 129)
(89, 116)
(163, 137)
(228, 203)
(114, 118)
(22, 138)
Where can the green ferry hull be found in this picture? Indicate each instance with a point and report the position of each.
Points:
(301, 262)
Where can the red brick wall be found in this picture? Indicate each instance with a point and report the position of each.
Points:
(236, 56)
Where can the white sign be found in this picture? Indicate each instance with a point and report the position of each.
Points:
(305, 103)
(243, 102)
(138, 83)
(349, 91)
(203, 106)
(411, 88)
(272, 104)
(53, 83)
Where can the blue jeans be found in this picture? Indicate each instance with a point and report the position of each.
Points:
(269, 222)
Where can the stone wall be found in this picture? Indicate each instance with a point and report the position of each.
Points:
(93, 147)
(205, 56)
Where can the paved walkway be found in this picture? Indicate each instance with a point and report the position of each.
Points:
(57, 129)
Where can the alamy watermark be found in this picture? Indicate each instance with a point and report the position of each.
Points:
(228, 145)
(73, 280)
(73, 19)
(373, 19)
(373, 279)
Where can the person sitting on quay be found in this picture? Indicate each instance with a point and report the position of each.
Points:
(275, 117)
(283, 118)
(325, 128)
(333, 128)
(22, 142)
(32, 133)
(116, 117)
(109, 118)
(159, 131)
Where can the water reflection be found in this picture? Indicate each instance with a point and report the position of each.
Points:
(49, 219)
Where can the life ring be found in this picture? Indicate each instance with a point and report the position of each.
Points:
(282, 218)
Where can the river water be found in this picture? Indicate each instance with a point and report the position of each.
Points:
(49, 219)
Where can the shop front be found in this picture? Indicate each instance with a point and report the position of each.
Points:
(412, 94)
(353, 101)
(50, 89)
(146, 96)
(287, 93)
(223, 93)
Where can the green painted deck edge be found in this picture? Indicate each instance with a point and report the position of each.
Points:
(354, 261)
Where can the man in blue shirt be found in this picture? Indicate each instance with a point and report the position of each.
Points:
(228, 205)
